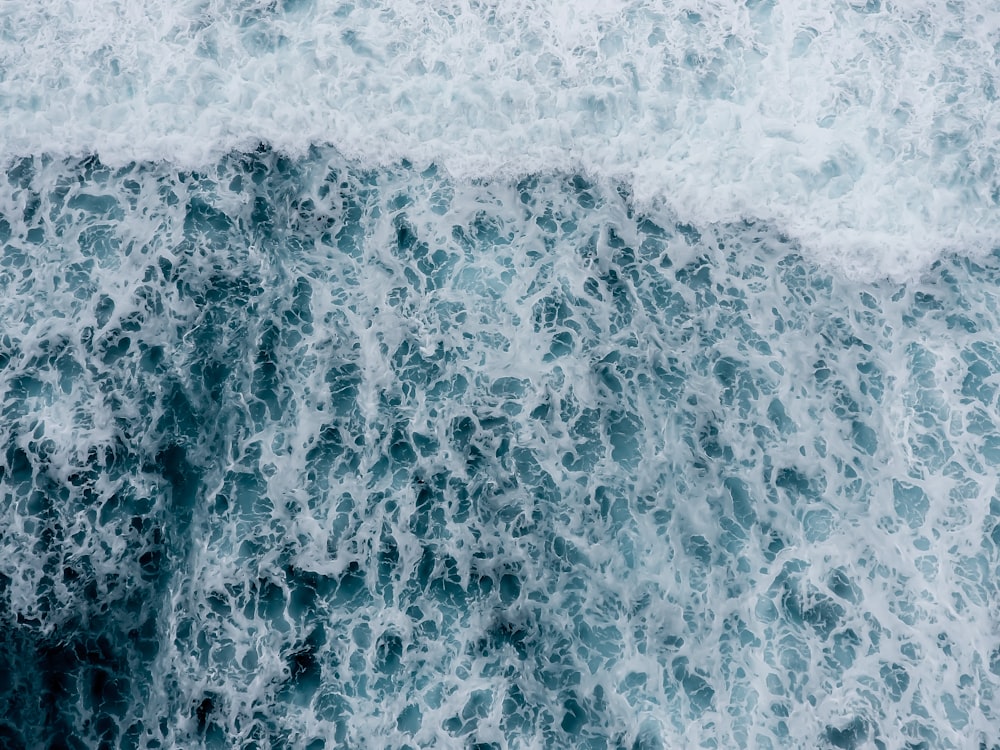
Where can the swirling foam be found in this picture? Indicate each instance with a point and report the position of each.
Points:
(869, 132)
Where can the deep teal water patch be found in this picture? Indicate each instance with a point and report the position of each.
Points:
(297, 454)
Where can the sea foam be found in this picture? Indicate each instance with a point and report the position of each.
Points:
(480, 375)
(301, 455)
(865, 131)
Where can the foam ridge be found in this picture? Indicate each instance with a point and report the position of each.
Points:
(868, 132)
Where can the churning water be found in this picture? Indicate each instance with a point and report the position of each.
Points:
(480, 375)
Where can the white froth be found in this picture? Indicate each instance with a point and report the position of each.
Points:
(868, 132)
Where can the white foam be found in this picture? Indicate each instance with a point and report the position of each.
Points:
(869, 133)
(869, 137)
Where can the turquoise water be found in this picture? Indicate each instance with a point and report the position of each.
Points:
(306, 448)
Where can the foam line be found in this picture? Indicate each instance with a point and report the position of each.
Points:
(866, 131)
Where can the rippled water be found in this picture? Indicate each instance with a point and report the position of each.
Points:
(348, 403)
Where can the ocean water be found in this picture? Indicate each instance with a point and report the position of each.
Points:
(479, 375)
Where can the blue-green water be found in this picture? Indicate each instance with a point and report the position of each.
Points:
(302, 455)
(615, 375)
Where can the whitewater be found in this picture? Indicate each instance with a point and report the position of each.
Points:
(499, 375)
